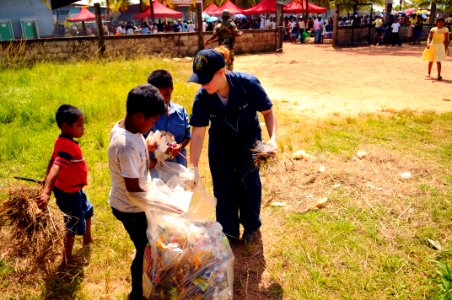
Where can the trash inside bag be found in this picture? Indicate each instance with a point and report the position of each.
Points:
(188, 256)
(187, 259)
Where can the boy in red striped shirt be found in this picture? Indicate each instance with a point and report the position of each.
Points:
(66, 176)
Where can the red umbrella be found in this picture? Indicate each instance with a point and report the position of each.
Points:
(233, 9)
(296, 7)
(211, 8)
(264, 7)
(160, 11)
(83, 15)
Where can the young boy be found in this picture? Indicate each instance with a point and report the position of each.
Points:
(395, 37)
(66, 176)
(174, 120)
(128, 160)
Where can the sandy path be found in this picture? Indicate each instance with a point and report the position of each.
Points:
(320, 80)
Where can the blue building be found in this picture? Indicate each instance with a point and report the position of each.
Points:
(29, 19)
(26, 19)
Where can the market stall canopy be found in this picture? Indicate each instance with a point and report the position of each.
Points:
(233, 9)
(212, 7)
(160, 11)
(83, 15)
(293, 7)
(296, 7)
(264, 7)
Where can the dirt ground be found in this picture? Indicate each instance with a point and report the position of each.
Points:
(320, 80)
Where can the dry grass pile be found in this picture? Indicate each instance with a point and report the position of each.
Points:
(33, 237)
(373, 178)
(376, 180)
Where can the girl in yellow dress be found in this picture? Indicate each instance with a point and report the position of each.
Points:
(438, 44)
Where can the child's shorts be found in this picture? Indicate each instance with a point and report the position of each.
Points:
(76, 208)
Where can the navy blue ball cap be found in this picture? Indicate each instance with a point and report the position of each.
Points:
(206, 63)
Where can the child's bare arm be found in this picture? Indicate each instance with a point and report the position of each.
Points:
(429, 39)
(133, 185)
(43, 199)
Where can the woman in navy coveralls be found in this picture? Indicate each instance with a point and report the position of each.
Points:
(230, 102)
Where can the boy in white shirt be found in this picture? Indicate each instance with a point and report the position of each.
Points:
(128, 160)
(395, 38)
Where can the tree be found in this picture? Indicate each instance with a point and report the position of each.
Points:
(118, 5)
(349, 4)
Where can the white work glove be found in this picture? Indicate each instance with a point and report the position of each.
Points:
(272, 143)
(194, 172)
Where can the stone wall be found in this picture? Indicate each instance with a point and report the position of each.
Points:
(166, 44)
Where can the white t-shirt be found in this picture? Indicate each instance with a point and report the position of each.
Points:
(395, 27)
(273, 24)
(191, 27)
(204, 26)
(127, 157)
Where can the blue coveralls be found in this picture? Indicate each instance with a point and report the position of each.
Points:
(234, 129)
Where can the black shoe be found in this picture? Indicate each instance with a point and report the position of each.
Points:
(234, 241)
(250, 236)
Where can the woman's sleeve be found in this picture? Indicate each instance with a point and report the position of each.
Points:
(258, 95)
(200, 114)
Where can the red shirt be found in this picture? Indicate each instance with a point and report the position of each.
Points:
(73, 174)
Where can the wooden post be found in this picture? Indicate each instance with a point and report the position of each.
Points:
(151, 7)
(84, 28)
(279, 26)
(388, 9)
(335, 24)
(369, 32)
(100, 29)
(199, 25)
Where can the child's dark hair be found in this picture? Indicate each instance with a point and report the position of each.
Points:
(67, 114)
(145, 99)
(160, 79)
(440, 19)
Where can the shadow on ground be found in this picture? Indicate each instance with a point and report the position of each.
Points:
(65, 282)
(249, 267)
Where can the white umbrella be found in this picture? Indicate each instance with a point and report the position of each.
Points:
(239, 16)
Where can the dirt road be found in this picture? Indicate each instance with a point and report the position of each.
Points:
(318, 80)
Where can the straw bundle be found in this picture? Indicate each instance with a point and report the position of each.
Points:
(36, 236)
(263, 154)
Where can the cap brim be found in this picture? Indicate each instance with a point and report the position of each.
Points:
(198, 78)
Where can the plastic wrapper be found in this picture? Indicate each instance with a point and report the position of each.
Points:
(188, 256)
(163, 140)
(262, 154)
(173, 174)
(426, 54)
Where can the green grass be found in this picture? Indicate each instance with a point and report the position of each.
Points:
(338, 253)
